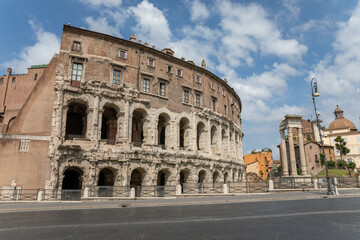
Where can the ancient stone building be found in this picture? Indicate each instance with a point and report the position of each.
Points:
(127, 114)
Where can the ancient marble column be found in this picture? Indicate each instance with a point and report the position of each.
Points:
(302, 153)
(284, 161)
(292, 153)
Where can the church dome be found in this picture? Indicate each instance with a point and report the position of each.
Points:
(340, 121)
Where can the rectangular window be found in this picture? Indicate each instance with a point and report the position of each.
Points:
(218, 89)
(197, 99)
(116, 77)
(169, 69)
(358, 138)
(35, 77)
(316, 158)
(359, 149)
(162, 89)
(223, 92)
(179, 72)
(225, 109)
(1, 81)
(151, 62)
(212, 86)
(146, 85)
(214, 104)
(345, 139)
(122, 54)
(198, 79)
(76, 72)
(13, 79)
(76, 46)
(186, 96)
(24, 145)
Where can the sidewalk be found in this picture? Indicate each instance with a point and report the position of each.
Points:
(6, 206)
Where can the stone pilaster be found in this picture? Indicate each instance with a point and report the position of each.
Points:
(292, 153)
(284, 160)
(302, 153)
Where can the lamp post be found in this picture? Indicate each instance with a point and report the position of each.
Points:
(314, 93)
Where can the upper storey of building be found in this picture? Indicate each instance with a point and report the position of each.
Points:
(340, 124)
(157, 76)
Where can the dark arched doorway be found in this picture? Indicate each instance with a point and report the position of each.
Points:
(106, 183)
(161, 182)
(201, 179)
(136, 181)
(72, 184)
(184, 174)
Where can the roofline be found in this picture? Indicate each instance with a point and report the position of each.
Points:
(69, 28)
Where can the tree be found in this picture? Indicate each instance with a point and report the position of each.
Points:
(341, 146)
(342, 164)
(351, 165)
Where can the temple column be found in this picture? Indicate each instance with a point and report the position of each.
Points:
(292, 153)
(284, 161)
(302, 153)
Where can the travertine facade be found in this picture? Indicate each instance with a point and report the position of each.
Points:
(127, 114)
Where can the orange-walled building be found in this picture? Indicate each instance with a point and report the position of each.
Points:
(259, 162)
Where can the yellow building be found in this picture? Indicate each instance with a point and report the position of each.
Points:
(259, 163)
(347, 130)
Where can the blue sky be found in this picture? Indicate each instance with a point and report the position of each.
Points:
(268, 50)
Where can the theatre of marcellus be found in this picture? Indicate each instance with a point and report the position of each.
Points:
(112, 112)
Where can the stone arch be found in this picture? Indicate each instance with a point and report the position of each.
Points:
(215, 177)
(76, 120)
(139, 118)
(214, 139)
(201, 136)
(106, 177)
(162, 177)
(201, 176)
(137, 177)
(163, 130)
(73, 178)
(184, 133)
(109, 124)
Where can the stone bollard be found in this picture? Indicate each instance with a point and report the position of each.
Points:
(40, 195)
(271, 185)
(132, 192)
(225, 188)
(336, 187)
(86, 192)
(178, 189)
(316, 184)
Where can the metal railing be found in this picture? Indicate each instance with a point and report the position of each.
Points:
(72, 136)
(110, 191)
(293, 183)
(137, 144)
(202, 188)
(155, 191)
(248, 187)
(111, 141)
(347, 182)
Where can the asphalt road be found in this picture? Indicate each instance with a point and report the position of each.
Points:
(328, 218)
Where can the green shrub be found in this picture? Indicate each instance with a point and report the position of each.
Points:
(351, 165)
(331, 164)
(298, 171)
(342, 164)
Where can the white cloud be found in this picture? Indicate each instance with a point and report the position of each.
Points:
(152, 25)
(292, 6)
(99, 3)
(247, 30)
(101, 24)
(198, 11)
(338, 74)
(47, 44)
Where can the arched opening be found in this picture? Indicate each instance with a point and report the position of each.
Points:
(200, 136)
(161, 182)
(136, 180)
(226, 177)
(201, 177)
(214, 139)
(72, 179)
(109, 125)
(138, 120)
(106, 177)
(163, 132)
(106, 183)
(76, 120)
(184, 174)
(184, 133)
(215, 177)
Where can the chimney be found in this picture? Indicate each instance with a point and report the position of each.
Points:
(133, 38)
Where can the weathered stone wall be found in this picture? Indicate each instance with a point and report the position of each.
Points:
(212, 139)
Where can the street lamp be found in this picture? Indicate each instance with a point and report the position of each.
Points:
(315, 93)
